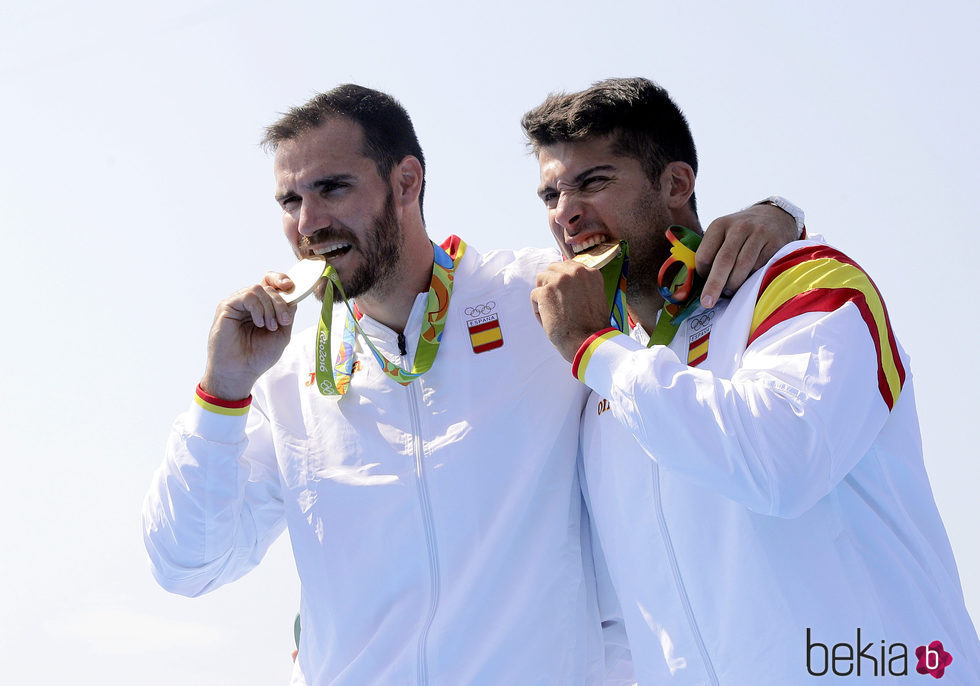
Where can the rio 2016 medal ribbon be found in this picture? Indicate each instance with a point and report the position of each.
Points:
(680, 284)
(307, 273)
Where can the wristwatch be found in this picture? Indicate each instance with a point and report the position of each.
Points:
(787, 207)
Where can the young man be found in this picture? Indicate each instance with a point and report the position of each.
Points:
(437, 531)
(754, 472)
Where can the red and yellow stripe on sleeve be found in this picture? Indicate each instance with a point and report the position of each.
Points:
(821, 279)
(589, 346)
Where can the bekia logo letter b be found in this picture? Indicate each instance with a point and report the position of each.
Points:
(933, 659)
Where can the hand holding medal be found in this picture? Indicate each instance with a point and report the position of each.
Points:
(576, 298)
(251, 329)
(612, 260)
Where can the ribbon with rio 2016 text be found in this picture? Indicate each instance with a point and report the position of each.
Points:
(334, 379)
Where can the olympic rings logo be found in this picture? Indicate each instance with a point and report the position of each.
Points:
(480, 310)
(701, 321)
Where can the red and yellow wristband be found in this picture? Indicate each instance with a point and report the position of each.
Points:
(589, 346)
(229, 408)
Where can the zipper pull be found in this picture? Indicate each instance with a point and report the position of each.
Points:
(401, 345)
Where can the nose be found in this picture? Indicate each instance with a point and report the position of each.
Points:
(312, 218)
(568, 212)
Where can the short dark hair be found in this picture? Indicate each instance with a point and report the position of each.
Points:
(648, 126)
(388, 132)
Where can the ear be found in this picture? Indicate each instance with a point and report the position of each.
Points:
(678, 182)
(406, 181)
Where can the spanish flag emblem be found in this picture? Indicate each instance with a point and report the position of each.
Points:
(822, 279)
(697, 349)
(485, 333)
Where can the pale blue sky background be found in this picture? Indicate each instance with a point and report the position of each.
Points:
(133, 197)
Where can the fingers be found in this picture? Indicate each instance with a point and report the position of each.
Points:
(283, 312)
(263, 305)
(556, 270)
(278, 281)
(710, 243)
(262, 309)
(535, 294)
(251, 328)
(737, 258)
(769, 249)
(724, 243)
(746, 262)
(544, 296)
(735, 246)
(570, 304)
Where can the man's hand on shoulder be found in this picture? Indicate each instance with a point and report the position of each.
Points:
(570, 303)
(251, 329)
(736, 245)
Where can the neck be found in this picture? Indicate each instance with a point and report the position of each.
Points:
(644, 311)
(644, 307)
(391, 303)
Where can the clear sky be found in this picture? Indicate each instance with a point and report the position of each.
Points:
(133, 197)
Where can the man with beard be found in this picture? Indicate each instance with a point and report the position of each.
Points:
(434, 508)
(753, 471)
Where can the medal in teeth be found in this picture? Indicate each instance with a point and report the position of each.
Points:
(598, 256)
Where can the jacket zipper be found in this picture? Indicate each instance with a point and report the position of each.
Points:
(688, 610)
(430, 534)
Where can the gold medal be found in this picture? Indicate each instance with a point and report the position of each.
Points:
(598, 256)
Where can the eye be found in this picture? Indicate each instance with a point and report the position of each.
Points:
(549, 198)
(594, 183)
(332, 187)
(289, 202)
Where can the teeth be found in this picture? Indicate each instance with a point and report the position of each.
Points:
(589, 242)
(330, 247)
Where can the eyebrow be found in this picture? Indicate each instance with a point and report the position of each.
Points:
(321, 183)
(577, 181)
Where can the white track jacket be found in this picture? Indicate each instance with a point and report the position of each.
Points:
(437, 527)
(765, 515)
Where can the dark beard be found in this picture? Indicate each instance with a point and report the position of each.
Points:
(381, 251)
(648, 251)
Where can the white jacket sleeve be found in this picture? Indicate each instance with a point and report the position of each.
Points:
(215, 504)
(802, 407)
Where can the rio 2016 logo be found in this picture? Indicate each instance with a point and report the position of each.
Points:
(863, 659)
